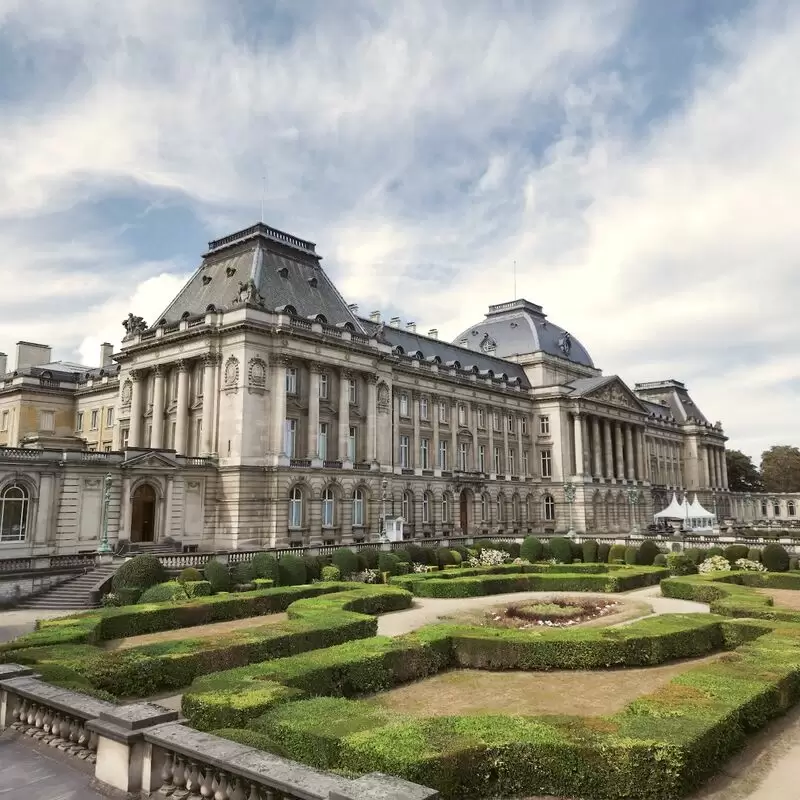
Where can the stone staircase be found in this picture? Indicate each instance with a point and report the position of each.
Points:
(151, 548)
(72, 594)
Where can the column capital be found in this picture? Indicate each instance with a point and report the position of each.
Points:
(209, 359)
(371, 377)
(182, 364)
(137, 374)
(282, 360)
(346, 373)
(316, 368)
(158, 370)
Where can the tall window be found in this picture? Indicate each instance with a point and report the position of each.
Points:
(443, 455)
(353, 391)
(510, 423)
(403, 405)
(290, 437)
(296, 508)
(549, 508)
(351, 444)
(462, 415)
(524, 423)
(791, 508)
(496, 420)
(78, 424)
(482, 457)
(445, 508)
(95, 418)
(47, 421)
(484, 508)
(423, 408)
(426, 508)
(776, 508)
(358, 508)
(291, 380)
(404, 452)
(525, 463)
(511, 463)
(481, 418)
(763, 508)
(323, 441)
(443, 412)
(544, 426)
(328, 508)
(547, 464)
(424, 455)
(323, 386)
(124, 435)
(14, 504)
(462, 456)
(109, 417)
(515, 508)
(500, 509)
(497, 465)
(406, 508)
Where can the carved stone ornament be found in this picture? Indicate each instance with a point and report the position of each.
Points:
(257, 374)
(613, 395)
(232, 373)
(248, 294)
(488, 345)
(127, 393)
(134, 325)
(384, 398)
(92, 483)
(193, 486)
(565, 343)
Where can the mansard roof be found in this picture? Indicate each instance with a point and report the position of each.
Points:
(676, 397)
(262, 267)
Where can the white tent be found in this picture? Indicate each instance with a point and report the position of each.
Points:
(698, 517)
(674, 510)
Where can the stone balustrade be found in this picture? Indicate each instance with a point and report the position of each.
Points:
(143, 749)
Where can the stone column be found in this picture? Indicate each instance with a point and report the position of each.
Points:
(577, 429)
(434, 406)
(706, 467)
(182, 411)
(157, 431)
(473, 424)
(372, 418)
(344, 412)
(278, 406)
(520, 448)
(718, 466)
(207, 447)
(609, 455)
(618, 451)
(597, 448)
(396, 428)
(724, 469)
(490, 428)
(506, 459)
(416, 456)
(642, 451)
(454, 436)
(135, 426)
(630, 464)
(312, 443)
(679, 464)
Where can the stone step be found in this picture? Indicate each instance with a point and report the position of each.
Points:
(73, 594)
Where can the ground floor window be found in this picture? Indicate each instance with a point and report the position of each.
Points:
(14, 506)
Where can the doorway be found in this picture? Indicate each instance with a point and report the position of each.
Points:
(143, 514)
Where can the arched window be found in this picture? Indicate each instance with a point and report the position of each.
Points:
(791, 508)
(426, 507)
(358, 508)
(515, 508)
(14, 505)
(500, 509)
(763, 508)
(328, 508)
(296, 508)
(407, 506)
(446, 507)
(530, 508)
(484, 508)
(776, 508)
(549, 507)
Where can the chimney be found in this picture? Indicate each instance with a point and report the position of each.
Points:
(375, 316)
(30, 354)
(411, 327)
(353, 308)
(433, 333)
(3, 363)
(106, 351)
(395, 322)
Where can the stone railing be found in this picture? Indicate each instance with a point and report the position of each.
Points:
(71, 562)
(141, 749)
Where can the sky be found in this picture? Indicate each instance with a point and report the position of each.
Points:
(638, 160)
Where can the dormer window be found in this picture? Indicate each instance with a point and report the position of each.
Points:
(312, 282)
(283, 272)
(206, 280)
(230, 271)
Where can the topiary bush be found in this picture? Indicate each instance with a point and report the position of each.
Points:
(695, 555)
(648, 550)
(403, 556)
(389, 563)
(347, 561)
(631, 556)
(314, 565)
(681, 564)
(444, 557)
(140, 572)
(331, 573)
(532, 549)
(265, 565)
(590, 551)
(616, 555)
(199, 588)
(577, 550)
(462, 551)
(775, 558)
(243, 572)
(292, 570)
(715, 551)
(368, 559)
(484, 544)
(190, 574)
(733, 552)
(754, 554)
(660, 560)
(164, 592)
(457, 560)
(603, 549)
(217, 575)
(794, 563)
(561, 549)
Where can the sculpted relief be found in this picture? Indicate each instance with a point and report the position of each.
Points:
(614, 395)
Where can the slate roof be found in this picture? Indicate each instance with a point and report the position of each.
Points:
(520, 327)
(678, 399)
(284, 268)
(412, 342)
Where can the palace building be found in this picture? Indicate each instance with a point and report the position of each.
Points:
(262, 410)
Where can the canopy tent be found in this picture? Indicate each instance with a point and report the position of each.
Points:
(674, 510)
(698, 517)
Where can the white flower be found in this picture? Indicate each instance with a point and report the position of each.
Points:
(714, 564)
(751, 566)
(489, 558)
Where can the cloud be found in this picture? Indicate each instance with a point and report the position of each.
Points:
(637, 166)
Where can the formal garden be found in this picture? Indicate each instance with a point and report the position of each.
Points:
(544, 695)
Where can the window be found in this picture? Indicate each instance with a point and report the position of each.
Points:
(482, 457)
(106, 448)
(776, 508)
(358, 508)
(426, 508)
(547, 464)
(515, 508)
(481, 418)
(403, 405)
(511, 463)
(484, 508)
(497, 465)
(524, 423)
(549, 508)
(322, 443)
(445, 508)
(499, 508)
(423, 408)
(78, 424)
(290, 437)
(47, 421)
(198, 437)
(353, 392)
(123, 435)
(462, 415)
(14, 503)
(463, 449)
(496, 421)
(323, 386)
(171, 438)
(443, 455)
(763, 508)
(328, 508)
(351, 444)
(109, 417)
(291, 380)
(407, 506)
(95, 418)
(544, 426)
(424, 446)
(791, 509)
(444, 412)
(296, 508)
(404, 452)
(510, 423)
(525, 463)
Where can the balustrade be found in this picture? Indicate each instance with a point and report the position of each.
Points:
(55, 728)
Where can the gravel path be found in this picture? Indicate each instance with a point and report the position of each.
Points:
(23, 620)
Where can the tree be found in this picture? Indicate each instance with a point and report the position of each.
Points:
(742, 473)
(780, 468)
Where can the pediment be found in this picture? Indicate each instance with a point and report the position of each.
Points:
(157, 462)
(616, 393)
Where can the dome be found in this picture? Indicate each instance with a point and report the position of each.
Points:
(518, 328)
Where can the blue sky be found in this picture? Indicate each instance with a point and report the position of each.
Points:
(637, 159)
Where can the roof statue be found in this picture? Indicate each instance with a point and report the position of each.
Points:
(248, 294)
(134, 325)
(378, 334)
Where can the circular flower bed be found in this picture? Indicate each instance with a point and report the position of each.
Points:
(552, 612)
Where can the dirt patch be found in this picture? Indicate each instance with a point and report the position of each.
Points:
(196, 632)
(584, 693)
(785, 598)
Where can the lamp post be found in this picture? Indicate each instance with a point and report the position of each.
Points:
(384, 536)
(569, 496)
(633, 499)
(104, 549)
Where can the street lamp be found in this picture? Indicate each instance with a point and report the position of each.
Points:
(384, 484)
(569, 496)
(104, 548)
(633, 499)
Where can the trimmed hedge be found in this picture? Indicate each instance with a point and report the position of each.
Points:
(265, 565)
(217, 575)
(140, 572)
(648, 551)
(589, 551)
(531, 549)
(346, 560)
(561, 549)
(201, 588)
(171, 591)
(291, 571)
(775, 558)
(616, 555)
(190, 574)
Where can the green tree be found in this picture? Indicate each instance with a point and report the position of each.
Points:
(780, 468)
(742, 473)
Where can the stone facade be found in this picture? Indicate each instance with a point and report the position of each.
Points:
(261, 410)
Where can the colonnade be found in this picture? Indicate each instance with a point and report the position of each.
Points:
(608, 448)
(715, 469)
